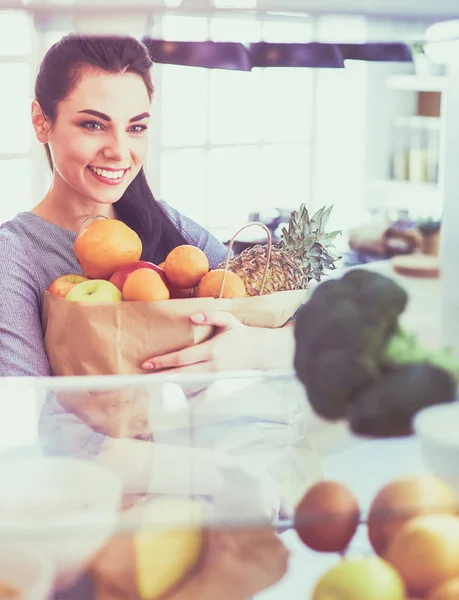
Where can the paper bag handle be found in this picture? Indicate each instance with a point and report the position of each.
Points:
(268, 255)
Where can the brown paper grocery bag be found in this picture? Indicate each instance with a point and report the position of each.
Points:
(115, 338)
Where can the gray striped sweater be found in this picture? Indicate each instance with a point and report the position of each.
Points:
(34, 252)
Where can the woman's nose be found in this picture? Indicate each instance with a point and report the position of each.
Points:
(117, 148)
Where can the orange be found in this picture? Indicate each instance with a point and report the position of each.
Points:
(104, 246)
(402, 499)
(185, 265)
(448, 590)
(145, 285)
(425, 552)
(161, 265)
(210, 284)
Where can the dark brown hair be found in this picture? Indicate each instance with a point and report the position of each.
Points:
(59, 73)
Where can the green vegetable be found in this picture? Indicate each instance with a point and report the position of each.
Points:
(386, 406)
(348, 337)
(403, 348)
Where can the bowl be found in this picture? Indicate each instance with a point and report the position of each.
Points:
(27, 570)
(64, 507)
(437, 429)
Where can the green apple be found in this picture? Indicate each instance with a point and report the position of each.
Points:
(360, 578)
(94, 290)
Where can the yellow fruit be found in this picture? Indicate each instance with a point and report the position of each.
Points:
(185, 265)
(402, 499)
(365, 578)
(210, 284)
(168, 545)
(425, 551)
(104, 246)
(448, 590)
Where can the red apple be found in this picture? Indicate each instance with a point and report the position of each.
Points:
(63, 284)
(179, 292)
(120, 275)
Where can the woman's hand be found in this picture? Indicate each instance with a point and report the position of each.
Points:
(233, 347)
(239, 563)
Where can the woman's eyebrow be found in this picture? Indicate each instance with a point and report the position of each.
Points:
(104, 117)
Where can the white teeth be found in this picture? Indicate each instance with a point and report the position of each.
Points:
(108, 174)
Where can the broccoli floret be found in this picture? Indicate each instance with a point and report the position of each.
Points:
(403, 348)
(341, 333)
(386, 407)
(348, 338)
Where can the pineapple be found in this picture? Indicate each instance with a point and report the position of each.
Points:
(302, 255)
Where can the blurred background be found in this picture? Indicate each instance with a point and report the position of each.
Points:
(297, 108)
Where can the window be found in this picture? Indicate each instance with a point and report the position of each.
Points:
(16, 46)
(16, 33)
(232, 142)
(16, 178)
(15, 108)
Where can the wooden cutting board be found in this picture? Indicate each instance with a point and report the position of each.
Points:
(417, 265)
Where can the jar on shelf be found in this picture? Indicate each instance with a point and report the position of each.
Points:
(400, 153)
(430, 236)
(418, 169)
(433, 149)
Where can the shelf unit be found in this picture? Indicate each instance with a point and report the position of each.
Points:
(405, 172)
(418, 83)
(416, 198)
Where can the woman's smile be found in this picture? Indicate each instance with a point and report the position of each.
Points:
(108, 176)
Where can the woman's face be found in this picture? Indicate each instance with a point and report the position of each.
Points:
(99, 140)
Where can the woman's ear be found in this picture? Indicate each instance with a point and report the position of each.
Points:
(40, 123)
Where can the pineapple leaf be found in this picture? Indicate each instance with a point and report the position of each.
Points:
(317, 219)
(326, 217)
(304, 240)
(315, 251)
(327, 238)
(320, 219)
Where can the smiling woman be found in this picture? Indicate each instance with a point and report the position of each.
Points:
(91, 112)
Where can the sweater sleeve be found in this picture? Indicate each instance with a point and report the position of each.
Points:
(198, 236)
(22, 351)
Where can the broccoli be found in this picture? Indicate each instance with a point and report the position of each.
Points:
(403, 349)
(386, 407)
(348, 338)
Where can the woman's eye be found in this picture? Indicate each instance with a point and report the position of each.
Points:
(139, 129)
(92, 125)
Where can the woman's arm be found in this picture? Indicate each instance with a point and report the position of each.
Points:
(233, 347)
(22, 351)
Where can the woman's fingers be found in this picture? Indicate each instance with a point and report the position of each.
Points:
(180, 358)
(200, 353)
(222, 319)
